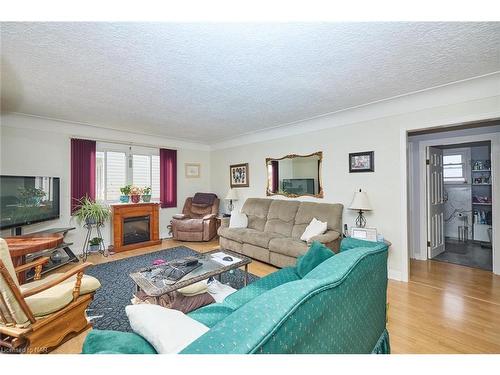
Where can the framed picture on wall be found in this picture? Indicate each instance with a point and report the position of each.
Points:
(238, 174)
(361, 162)
(192, 170)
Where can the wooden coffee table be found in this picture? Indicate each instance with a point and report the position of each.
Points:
(20, 246)
(209, 268)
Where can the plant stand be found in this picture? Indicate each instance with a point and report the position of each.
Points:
(86, 245)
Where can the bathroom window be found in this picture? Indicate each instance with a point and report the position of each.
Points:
(455, 166)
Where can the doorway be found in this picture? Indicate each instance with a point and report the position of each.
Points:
(453, 197)
(459, 186)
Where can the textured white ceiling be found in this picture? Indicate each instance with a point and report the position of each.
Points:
(209, 82)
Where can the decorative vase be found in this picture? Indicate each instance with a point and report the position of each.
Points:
(135, 198)
(124, 198)
(146, 198)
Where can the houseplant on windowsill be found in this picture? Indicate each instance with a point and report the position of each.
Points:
(124, 198)
(135, 194)
(91, 212)
(146, 194)
(95, 244)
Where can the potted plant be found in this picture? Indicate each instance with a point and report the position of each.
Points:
(135, 194)
(95, 244)
(146, 194)
(91, 212)
(31, 196)
(124, 198)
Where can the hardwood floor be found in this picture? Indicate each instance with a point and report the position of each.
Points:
(445, 308)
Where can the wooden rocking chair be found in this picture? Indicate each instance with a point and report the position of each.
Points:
(38, 316)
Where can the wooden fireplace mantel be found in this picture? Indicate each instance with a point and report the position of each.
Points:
(120, 211)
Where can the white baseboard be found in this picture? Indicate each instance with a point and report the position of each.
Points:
(394, 275)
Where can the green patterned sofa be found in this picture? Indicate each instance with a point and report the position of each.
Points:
(338, 307)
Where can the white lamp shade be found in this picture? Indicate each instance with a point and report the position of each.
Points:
(360, 202)
(232, 195)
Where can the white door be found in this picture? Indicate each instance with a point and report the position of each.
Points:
(435, 202)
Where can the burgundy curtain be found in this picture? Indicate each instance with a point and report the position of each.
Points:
(168, 178)
(275, 176)
(82, 170)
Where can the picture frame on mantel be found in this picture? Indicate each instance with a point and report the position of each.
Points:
(361, 162)
(192, 170)
(239, 175)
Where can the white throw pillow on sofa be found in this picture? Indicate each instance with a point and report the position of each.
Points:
(238, 220)
(314, 228)
(169, 331)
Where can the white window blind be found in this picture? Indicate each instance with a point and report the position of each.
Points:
(155, 176)
(116, 174)
(141, 170)
(115, 169)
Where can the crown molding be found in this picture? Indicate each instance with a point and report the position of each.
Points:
(456, 92)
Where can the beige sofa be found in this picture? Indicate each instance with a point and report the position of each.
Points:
(275, 226)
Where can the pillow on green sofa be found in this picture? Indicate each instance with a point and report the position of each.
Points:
(349, 243)
(98, 342)
(316, 254)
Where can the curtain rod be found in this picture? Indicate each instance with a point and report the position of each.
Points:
(118, 142)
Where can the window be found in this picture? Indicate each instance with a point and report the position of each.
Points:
(120, 165)
(455, 163)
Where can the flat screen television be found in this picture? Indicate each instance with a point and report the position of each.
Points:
(298, 186)
(27, 200)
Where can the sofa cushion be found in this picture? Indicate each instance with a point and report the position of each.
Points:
(316, 255)
(288, 246)
(258, 238)
(331, 213)
(98, 341)
(256, 210)
(235, 234)
(212, 314)
(281, 217)
(244, 295)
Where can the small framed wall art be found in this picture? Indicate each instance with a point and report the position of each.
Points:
(192, 170)
(238, 174)
(361, 162)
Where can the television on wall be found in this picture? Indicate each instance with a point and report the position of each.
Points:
(27, 200)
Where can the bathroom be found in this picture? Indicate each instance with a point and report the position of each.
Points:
(467, 205)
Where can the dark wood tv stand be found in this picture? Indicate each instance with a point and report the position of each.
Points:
(64, 247)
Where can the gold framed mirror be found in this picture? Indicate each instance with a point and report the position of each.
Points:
(295, 175)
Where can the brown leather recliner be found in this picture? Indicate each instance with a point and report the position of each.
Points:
(198, 219)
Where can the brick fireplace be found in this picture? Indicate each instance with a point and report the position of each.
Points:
(135, 225)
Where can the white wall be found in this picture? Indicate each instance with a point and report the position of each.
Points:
(35, 146)
(380, 128)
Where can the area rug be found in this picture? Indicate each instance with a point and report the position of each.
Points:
(107, 310)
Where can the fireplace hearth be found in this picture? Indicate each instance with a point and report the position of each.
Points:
(135, 229)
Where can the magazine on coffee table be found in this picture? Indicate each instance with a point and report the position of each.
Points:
(219, 258)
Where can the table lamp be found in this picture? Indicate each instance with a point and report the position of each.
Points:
(360, 203)
(231, 196)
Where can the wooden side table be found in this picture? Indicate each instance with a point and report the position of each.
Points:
(20, 246)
